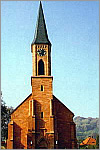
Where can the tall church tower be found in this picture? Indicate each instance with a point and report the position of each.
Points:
(41, 48)
(41, 121)
(42, 82)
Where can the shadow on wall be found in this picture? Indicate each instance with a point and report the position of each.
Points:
(40, 137)
(39, 140)
(17, 137)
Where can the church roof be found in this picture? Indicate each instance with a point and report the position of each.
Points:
(41, 36)
(54, 97)
(89, 141)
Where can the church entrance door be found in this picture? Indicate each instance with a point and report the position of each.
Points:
(42, 144)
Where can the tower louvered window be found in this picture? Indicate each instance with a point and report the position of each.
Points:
(41, 67)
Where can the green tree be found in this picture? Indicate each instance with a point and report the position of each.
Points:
(97, 142)
(5, 118)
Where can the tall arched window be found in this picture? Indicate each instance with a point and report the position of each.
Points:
(41, 67)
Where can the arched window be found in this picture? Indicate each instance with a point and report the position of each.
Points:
(41, 67)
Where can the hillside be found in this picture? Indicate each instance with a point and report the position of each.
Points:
(86, 127)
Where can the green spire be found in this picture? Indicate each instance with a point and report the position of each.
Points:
(41, 36)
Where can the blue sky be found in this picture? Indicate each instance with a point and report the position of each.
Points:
(73, 29)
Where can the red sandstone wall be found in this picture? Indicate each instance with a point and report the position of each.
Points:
(20, 126)
(10, 136)
(24, 124)
(42, 99)
(65, 132)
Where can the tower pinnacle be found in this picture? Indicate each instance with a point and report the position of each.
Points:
(41, 36)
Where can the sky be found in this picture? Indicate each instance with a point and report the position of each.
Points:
(73, 30)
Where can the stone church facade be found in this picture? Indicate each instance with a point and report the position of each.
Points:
(41, 121)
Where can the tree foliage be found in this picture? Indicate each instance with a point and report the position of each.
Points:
(5, 118)
(86, 127)
(97, 142)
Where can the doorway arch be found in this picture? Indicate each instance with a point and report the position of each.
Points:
(42, 144)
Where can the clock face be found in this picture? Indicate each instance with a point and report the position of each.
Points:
(41, 52)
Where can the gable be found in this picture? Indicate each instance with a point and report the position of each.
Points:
(21, 103)
(54, 99)
(62, 105)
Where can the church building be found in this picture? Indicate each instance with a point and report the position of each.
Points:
(41, 121)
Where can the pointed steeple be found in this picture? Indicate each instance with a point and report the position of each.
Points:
(41, 36)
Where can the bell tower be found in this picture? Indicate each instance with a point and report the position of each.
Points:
(41, 121)
(41, 48)
(41, 82)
